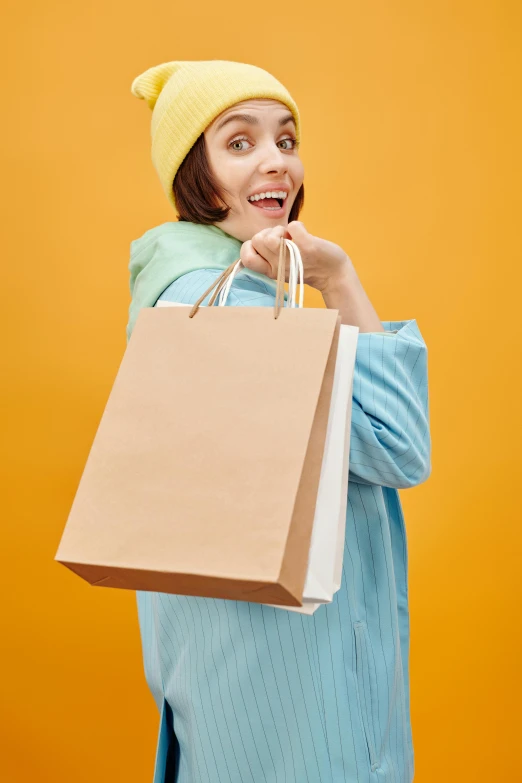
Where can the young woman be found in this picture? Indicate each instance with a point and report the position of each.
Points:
(248, 693)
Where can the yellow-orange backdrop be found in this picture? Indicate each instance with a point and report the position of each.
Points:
(411, 121)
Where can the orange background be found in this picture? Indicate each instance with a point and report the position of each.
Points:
(411, 121)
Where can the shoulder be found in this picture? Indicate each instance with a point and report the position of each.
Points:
(246, 290)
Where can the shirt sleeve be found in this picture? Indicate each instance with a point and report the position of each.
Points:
(390, 442)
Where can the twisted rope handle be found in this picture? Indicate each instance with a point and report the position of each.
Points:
(217, 285)
(221, 287)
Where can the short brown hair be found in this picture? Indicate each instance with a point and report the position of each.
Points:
(198, 195)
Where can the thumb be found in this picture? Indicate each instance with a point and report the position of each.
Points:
(297, 231)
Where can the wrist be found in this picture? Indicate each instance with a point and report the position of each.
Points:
(347, 295)
(342, 282)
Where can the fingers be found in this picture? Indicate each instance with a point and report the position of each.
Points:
(251, 259)
(261, 253)
(267, 242)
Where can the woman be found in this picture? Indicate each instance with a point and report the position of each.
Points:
(248, 692)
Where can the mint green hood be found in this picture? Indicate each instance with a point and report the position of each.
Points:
(170, 250)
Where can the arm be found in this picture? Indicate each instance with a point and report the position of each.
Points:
(390, 436)
(346, 294)
(390, 442)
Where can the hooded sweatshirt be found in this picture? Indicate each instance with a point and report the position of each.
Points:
(168, 251)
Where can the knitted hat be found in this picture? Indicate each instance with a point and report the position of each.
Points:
(186, 96)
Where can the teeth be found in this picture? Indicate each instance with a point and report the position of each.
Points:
(269, 194)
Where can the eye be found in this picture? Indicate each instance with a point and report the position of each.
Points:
(293, 140)
(236, 144)
(238, 141)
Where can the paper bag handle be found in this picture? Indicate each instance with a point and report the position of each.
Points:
(222, 285)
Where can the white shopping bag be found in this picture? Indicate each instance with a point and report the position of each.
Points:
(325, 565)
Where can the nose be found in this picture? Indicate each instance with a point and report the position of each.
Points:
(273, 161)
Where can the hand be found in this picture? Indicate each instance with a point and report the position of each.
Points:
(325, 264)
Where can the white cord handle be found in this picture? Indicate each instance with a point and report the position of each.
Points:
(296, 269)
(223, 296)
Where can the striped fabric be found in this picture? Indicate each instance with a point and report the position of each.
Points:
(253, 694)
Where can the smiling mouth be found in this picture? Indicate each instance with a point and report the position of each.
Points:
(269, 204)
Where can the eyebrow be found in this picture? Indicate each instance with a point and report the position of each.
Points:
(248, 118)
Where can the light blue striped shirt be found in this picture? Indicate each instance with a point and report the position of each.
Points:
(252, 694)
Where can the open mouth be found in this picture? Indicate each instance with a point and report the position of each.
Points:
(269, 204)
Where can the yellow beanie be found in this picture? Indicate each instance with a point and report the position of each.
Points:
(186, 96)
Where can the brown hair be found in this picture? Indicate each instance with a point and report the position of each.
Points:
(198, 195)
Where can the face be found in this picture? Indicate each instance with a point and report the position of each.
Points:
(255, 154)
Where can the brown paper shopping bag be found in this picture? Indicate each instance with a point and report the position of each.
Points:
(203, 474)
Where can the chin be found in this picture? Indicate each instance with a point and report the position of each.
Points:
(261, 225)
(243, 227)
